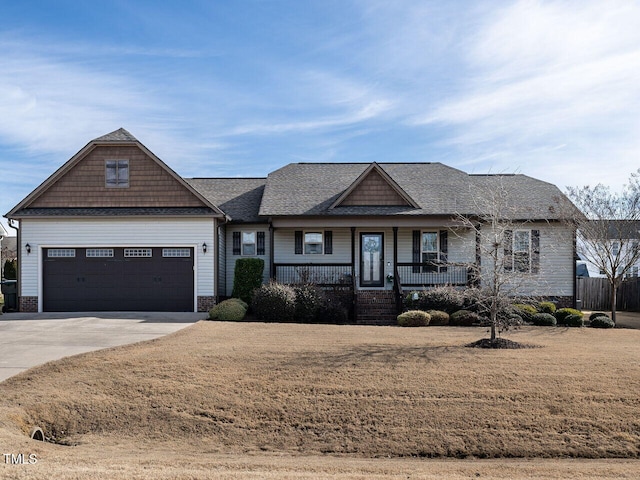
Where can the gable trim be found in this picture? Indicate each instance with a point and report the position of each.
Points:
(385, 176)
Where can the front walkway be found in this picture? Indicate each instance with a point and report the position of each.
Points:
(30, 339)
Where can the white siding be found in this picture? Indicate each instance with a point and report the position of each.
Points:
(555, 277)
(230, 264)
(130, 232)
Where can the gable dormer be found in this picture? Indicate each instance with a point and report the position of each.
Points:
(374, 187)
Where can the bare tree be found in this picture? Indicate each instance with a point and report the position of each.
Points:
(609, 230)
(507, 249)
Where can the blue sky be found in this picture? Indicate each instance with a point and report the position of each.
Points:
(549, 89)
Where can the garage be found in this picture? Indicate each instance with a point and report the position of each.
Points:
(118, 279)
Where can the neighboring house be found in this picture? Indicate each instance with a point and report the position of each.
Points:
(116, 229)
(620, 247)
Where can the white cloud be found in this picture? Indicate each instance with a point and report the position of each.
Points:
(544, 74)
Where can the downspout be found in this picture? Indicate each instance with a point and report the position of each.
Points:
(272, 272)
(19, 258)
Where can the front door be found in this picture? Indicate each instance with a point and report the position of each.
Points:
(371, 260)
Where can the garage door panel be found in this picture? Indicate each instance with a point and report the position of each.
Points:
(115, 283)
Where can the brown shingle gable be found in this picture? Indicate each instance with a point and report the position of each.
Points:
(80, 182)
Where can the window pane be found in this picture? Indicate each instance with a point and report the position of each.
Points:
(313, 238)
(249, 249)
(313, 248)
(111, 172)
(248, 237)
(521, 242)
(429, 242)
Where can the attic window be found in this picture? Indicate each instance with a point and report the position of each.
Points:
(117, 173)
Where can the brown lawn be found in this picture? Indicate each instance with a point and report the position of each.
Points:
(254, 400)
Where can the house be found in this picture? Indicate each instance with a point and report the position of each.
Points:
(608, 245)
(116, 229)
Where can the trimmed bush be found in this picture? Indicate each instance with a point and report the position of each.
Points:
(438, 317)
(598, 314)
(574, 320)
(309, 301)
(544, 320)
(240, 302)
(10, 269)
(228, 311)
(602, 322)
(464, 318)
(547, 307)
(274, 302)
(414, 318)
(525, 311)
(247, 277)
(563, 313)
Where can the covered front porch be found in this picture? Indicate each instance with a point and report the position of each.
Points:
(376, 266)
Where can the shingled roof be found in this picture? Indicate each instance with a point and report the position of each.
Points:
(120, 135)
(312, 189)
(239, 198)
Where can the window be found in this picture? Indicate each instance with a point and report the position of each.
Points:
(99, 252)
(522, 251)
(615, 249)
(313, 243)
(429, 251)
(117, 173)
(137, 252)
(176, 252)
(61, 252)
(248, 243)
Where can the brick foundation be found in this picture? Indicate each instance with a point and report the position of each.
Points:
(376, 307)
(206, 303)
(28, 304)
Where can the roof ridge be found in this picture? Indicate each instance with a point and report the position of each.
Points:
(119, 135)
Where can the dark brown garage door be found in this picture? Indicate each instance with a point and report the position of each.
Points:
(118, 279)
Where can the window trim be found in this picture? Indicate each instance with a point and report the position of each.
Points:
(430, 268)
(119, 183)
(254, 243)
(305, 243)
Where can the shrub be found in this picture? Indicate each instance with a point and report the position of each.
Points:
(464, 318)
(333, 312)
(547, 307)
(247, 277)
(274, 302)
(438, 317)
(544, 320)
(239, 301)
(447, 299)
(602, 322)
(563, 313)
(228, 311)
(414, 318)
(10, 269)
(525, 311)
(598, 314)
(309, 300)
(574, 320)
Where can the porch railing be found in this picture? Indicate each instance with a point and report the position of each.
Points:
(322, 274)
(433, 275)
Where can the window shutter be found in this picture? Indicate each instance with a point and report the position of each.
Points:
(260, 243)
(535, 251)
(236, 243)
(508, 250)
(416, 250)
(298, 242)
(328, 242)
(444, 249)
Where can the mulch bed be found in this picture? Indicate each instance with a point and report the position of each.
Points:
(498, 343)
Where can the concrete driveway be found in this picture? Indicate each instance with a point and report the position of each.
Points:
(30, 339)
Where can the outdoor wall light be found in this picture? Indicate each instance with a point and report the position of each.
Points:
(204, 248)
(28, 248)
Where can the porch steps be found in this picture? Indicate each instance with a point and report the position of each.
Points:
(376, 307)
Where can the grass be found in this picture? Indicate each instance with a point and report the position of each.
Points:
(245, 394)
